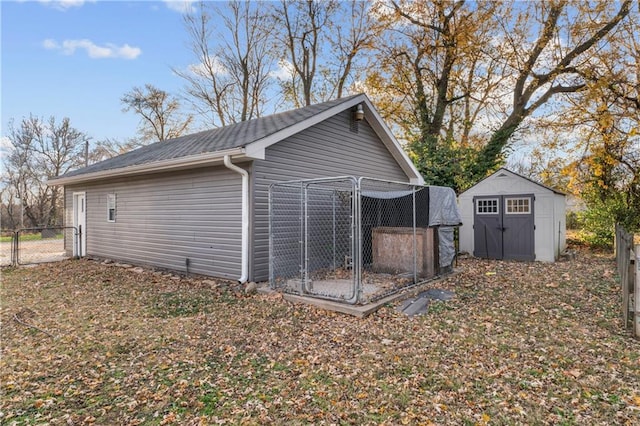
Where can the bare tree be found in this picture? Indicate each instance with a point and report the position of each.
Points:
(108, 148)
(354, 31)
(10, 209)
(41, 150)
(303, 23)
(160, 116)
(229, 82)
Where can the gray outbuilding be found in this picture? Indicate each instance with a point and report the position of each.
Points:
(199, 203)
(509, 216)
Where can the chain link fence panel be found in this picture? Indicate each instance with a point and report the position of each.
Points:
(349, 240)
(7, 247)
(312, 238)
(397, 247)
(43, 245)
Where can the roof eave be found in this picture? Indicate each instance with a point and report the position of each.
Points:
(173, 164)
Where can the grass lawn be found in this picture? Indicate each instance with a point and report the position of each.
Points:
(522, 343)
(31, 237)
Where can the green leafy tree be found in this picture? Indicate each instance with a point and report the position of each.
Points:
(462, 78)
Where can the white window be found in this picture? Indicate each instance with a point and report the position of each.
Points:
(487, 206)
(518, 205)
(111, 207)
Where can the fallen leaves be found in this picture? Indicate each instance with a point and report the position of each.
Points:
(522, 343)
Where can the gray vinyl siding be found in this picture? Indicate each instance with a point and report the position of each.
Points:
(163, 219)
(327, 149)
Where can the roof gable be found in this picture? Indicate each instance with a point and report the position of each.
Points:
(503, 172)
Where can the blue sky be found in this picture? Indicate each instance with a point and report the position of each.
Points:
(77, 58)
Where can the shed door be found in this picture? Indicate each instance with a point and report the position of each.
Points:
(487, 227)
(504, 227)
(517, 221)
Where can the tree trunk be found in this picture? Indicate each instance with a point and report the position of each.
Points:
(490, 156)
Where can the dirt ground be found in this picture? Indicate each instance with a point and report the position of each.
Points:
(39, 251)
(521, 343)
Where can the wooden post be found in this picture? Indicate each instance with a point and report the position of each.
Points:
(636, 295)
(625, 262)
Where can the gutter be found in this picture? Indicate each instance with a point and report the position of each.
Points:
(245, 217)
(187, 162)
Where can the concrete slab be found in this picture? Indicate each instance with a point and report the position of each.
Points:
(417, 306)
(362, 311)
(335, 288)
(438, 294)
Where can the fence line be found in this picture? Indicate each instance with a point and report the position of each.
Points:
(6, 247)
(628, 264)
(39, 245)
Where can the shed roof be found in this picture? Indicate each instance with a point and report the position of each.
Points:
(246, 139)
(502, 169)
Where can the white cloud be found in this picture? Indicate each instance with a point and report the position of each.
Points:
(202, 70)
(5, 146)
(284, 71)
(64, 4)
(109, 50)
(180, 6)
(50, 44)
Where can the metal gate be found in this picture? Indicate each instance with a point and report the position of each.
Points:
(503, 227)
(312, 243)
(39, 245)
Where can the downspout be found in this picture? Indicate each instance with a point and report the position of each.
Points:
(245, 217)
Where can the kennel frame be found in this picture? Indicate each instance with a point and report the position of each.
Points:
(356, 185)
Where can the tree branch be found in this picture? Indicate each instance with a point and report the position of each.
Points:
(19, 321)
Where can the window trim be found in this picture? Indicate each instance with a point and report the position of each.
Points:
(528, 205)
(496, 204)
(111, 207)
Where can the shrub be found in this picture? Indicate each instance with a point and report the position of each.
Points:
(574, 221)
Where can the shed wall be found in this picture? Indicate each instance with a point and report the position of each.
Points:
(163, 219)
(327, 149)
(544, 217)
(560, 223)
(548, 211)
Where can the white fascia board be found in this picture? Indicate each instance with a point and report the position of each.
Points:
(255, 151)
(173, 164)
(392, 144)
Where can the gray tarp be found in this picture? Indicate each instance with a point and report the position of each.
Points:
(443, 212)
(443, 208)
(386, 195)
(446, 246)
